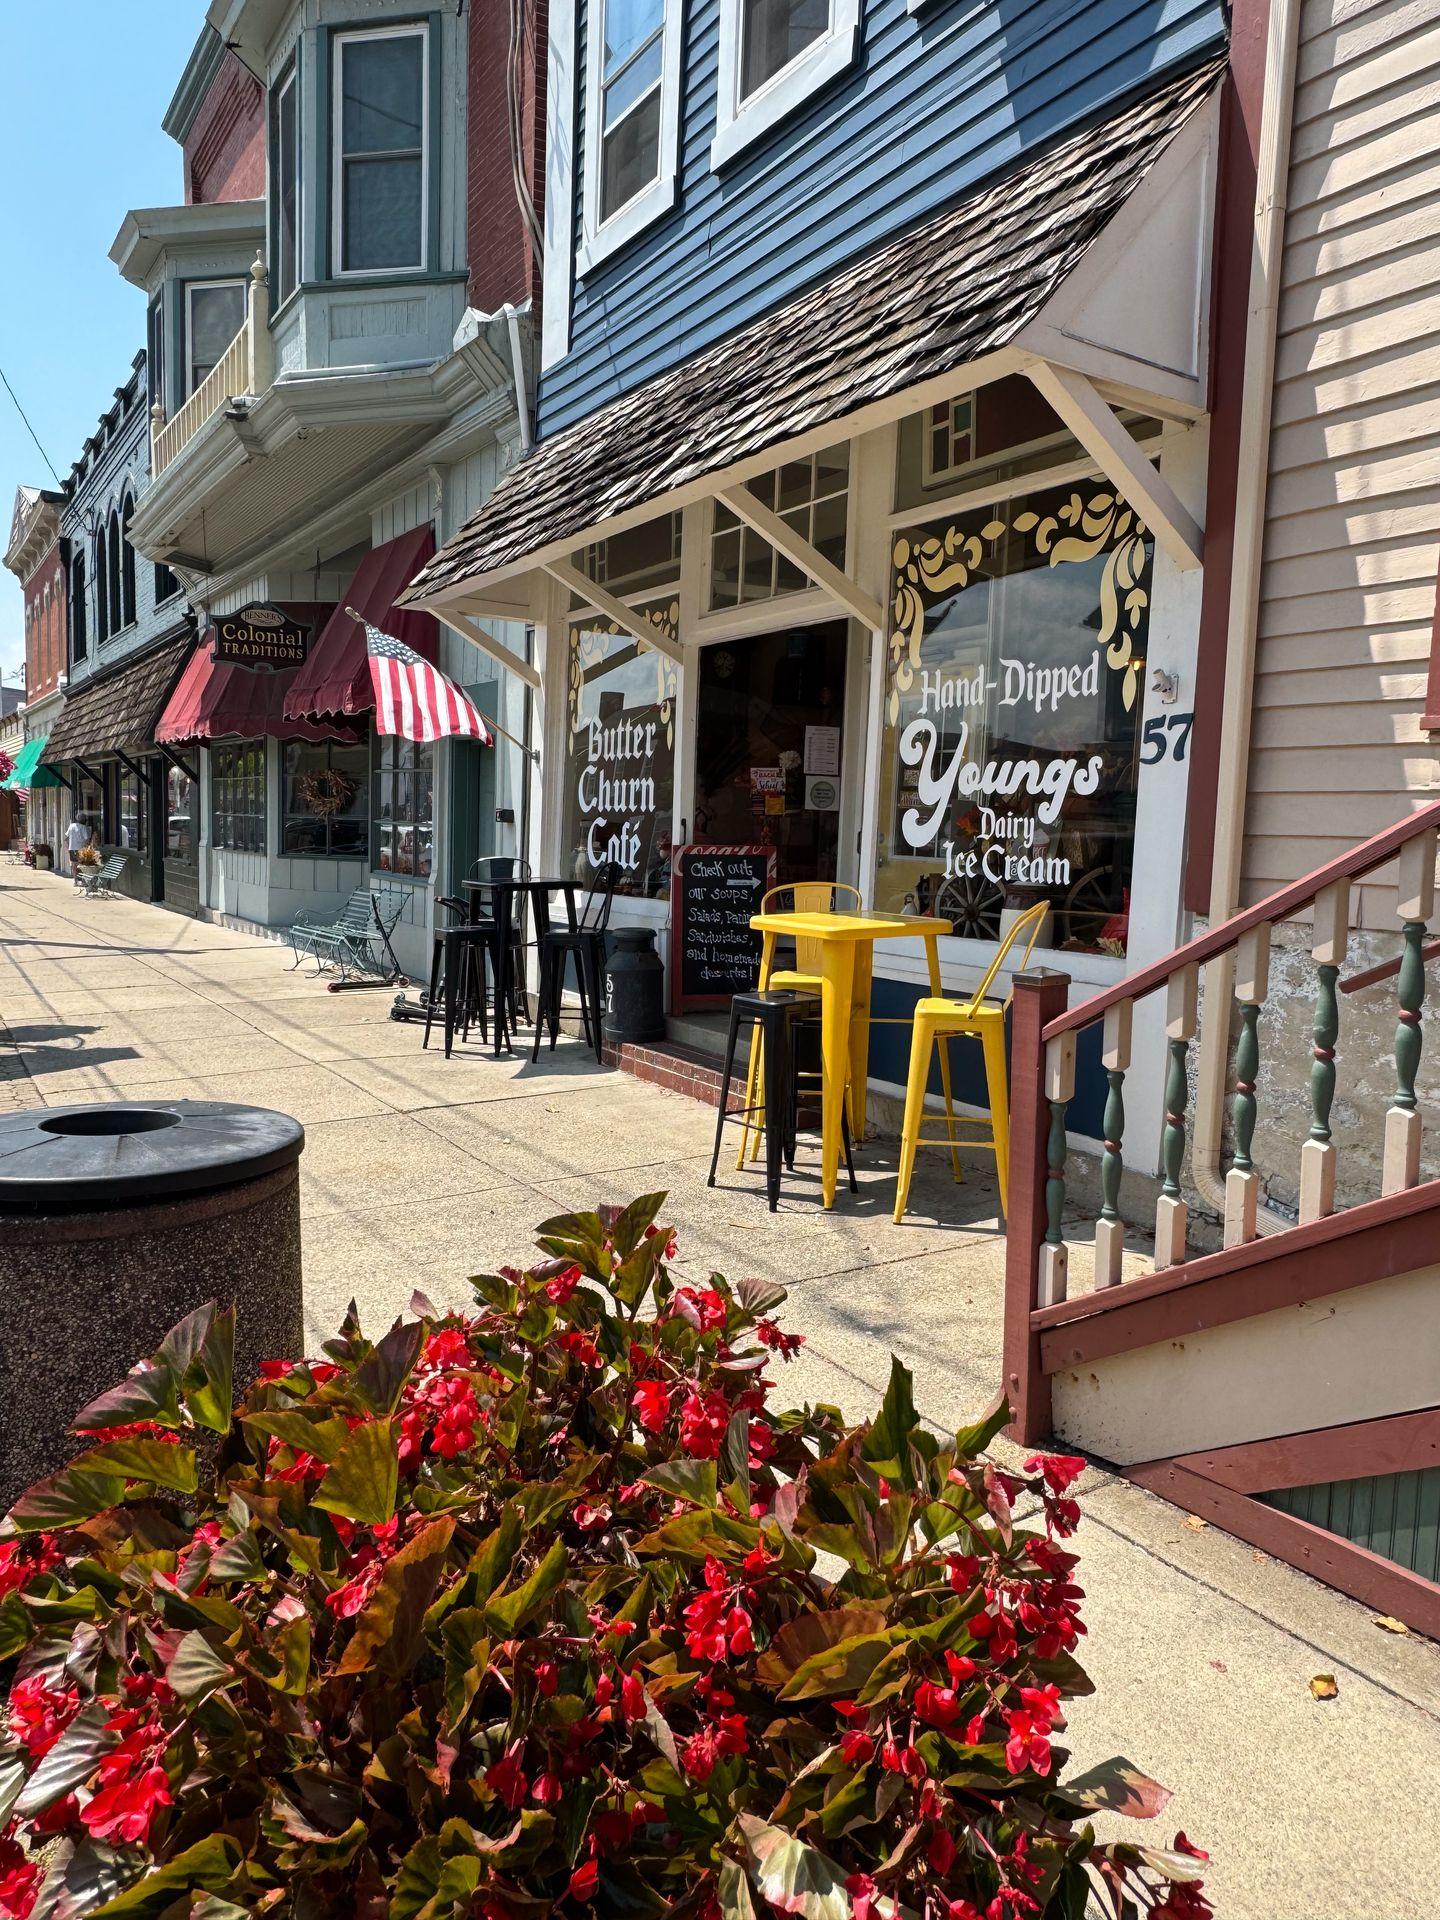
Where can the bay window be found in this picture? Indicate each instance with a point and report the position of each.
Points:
(381, 136)
(214, 314)
(285, 178)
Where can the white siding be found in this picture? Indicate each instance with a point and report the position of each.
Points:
(1353, 511)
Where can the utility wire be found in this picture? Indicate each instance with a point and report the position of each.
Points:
(28, 428)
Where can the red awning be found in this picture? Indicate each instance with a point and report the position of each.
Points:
(213, 702)
(335, 680)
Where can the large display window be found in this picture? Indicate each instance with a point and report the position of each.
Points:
(620, 753)
(1014, 688)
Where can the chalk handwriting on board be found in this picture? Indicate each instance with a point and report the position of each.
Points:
(714, 893)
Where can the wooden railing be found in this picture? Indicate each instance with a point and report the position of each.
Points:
(1043, 1052)
(245, 367)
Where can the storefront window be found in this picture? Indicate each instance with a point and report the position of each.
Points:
(89, 802)
(810, 495)
(182, 806)
(237, 796)
(620, 768)
(404, 810)
(1015, 682)
(325, 798)
(131, 810)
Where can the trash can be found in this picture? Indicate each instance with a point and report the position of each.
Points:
(116, 1220)
(634, 987)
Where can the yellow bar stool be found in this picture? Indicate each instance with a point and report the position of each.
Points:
(800, 896)
(939, 1020)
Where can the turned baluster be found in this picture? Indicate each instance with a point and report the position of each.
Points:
(1110, 1228)
(1171, 1213)
(1059, 1090)
(1242, 1183)
(1327, 948)
(1414, 906)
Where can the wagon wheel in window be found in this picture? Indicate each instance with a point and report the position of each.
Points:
(1096, 897)
(972, 906)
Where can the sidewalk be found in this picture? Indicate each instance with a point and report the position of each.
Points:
(418, 1171)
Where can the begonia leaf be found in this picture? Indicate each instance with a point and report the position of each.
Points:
(197, 1669)
(205, 1867)
(63, 1499)
(162, 1463)
(388, 1630)
(886, 1447)
(760, 1296)
(794, 1877)
(70, 1762)
(325, 1438)
(801, 1639)
(380, 1378)
(1118, 1786)
(78, 1878)
(363, 1480)
(508, 1610)
(692, 1480)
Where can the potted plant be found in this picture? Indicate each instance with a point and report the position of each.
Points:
(543, 1610)
(40, 854)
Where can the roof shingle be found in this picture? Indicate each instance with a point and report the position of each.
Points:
(120, 710)
(933, 301)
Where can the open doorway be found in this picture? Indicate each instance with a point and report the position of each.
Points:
(768, 745)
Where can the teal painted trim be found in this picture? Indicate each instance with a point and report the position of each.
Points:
(316, 51)
(1055, 1183)
(435, 172)
(1172, 1145)
(1396, 1515)
(1111, 1160)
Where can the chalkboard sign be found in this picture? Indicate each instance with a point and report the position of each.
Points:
(714, 952)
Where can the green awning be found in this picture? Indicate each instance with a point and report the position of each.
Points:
(27, 771)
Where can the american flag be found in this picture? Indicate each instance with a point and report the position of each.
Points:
(414, 699)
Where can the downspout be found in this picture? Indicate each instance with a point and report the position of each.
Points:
(517, 370)
(1272, 177)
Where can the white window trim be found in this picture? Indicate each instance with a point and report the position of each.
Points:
(290, 83)
(602, 238)
(739, 124)
(193, 287)
(410, 31)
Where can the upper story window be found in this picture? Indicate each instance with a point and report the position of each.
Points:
(77, 607)
(127, 562)
(381, 150)
(102, 595)
(285, 184)
(948, 446)
(632, 120)
(214, 314)
(113, 573)
(773, 55)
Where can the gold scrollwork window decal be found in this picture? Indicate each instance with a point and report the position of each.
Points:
(943, 561)
(587, 651)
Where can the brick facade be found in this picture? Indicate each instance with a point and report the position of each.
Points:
(45, 626)
(225, 149)
(503, 263)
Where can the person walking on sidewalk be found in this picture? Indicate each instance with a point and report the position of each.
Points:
(77, 835)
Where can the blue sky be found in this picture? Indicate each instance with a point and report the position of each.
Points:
(83, 86)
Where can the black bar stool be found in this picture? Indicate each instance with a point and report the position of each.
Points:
(585, 942)
(774, 1013)
(458, 978)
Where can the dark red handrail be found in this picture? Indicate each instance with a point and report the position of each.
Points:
(1360, 860)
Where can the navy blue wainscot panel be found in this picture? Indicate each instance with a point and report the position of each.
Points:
(938, 101)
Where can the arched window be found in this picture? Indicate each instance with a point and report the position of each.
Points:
(102, 593)
(127, 561)
(117, 610)
(77, 608)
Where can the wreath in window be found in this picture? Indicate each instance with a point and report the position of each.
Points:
(327, 792)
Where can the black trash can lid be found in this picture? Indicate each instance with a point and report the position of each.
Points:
(113, 1153)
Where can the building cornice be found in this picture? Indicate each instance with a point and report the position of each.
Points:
(207, 57)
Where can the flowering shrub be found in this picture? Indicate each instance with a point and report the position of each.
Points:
(546, 1610)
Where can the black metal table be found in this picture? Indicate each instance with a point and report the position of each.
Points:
(503, 893)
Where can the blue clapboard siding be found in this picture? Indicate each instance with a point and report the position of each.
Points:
(938, 101)
(1396, 1515)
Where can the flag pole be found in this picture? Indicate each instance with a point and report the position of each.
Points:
(532, 753)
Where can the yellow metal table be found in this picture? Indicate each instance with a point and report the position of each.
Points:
(845, 943)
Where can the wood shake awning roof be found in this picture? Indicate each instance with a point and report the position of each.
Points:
(121, 709)
(930, 303)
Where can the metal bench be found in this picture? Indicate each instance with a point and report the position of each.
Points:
(101, 879)
(357, 939)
